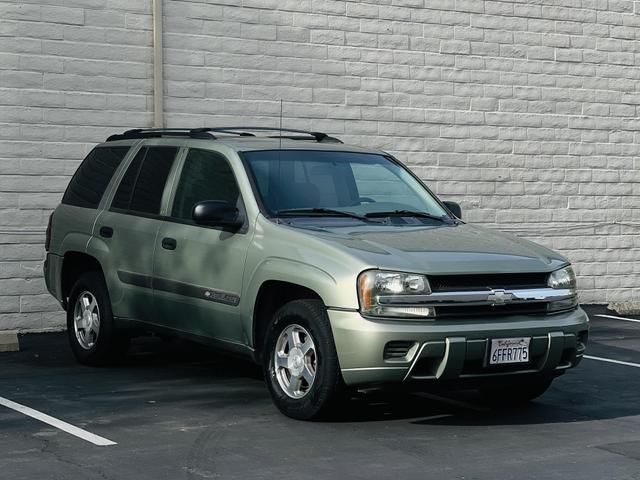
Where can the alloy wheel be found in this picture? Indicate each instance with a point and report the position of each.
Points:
(86, 316)
(295, 361)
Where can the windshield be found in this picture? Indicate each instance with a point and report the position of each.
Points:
(360, 183)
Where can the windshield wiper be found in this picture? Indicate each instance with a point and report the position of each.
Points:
(320, 211)
(409, 213)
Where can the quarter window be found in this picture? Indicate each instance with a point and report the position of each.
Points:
(206, 175)
(143, 184)
(92, 177)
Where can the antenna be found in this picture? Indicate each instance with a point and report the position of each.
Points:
(281, 123)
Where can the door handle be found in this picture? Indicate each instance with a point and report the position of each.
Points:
(169, 243)
(106, 232)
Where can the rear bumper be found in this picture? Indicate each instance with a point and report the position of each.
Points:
(453, 350)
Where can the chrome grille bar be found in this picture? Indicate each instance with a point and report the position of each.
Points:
(479, 297)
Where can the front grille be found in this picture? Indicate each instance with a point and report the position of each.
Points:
(445, 283)
(492, 310)
(397, 349)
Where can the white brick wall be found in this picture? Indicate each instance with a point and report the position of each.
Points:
(71, 72)
(524, 112)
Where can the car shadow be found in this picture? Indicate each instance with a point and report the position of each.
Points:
(178, 372)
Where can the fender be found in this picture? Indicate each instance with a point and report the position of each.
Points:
(333, 291)
(74, 242)
(99, 249)
(71, 242)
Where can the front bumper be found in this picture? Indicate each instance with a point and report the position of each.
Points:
(453, 349)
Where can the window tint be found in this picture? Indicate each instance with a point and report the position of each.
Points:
(123, 194)
(206, 175)
(142, 186)
(152, 178)
(92, 177)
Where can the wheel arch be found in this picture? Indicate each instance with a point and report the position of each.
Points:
(272, 295)
(74, 264)
(286, 279)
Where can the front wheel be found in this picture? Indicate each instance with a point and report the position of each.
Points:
(300, 362)
(517, 393)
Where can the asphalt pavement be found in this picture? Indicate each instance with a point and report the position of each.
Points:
(174, 410)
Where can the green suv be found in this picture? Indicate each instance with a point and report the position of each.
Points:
(332, 266)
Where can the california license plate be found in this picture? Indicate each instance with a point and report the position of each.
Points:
(509, 350)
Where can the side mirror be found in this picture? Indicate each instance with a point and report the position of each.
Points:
(216, 213)
(454, 208)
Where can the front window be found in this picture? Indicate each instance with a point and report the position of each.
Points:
(206, 175)
(313, 182)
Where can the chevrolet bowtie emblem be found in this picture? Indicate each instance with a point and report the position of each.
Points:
(500, 297)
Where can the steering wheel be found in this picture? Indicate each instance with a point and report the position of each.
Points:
(366, 200)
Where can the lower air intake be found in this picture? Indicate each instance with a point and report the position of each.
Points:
(397, 350)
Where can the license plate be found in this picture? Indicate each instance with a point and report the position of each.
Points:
(509, 350)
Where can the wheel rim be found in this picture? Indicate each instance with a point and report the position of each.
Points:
(295, 361)
(86, 320)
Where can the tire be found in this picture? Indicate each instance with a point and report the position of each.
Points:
(93, 342)
(514, 394)
(301, 320)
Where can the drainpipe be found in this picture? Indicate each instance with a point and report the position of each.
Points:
(158, 84)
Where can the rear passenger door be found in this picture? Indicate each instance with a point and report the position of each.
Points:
(129, 229)
(198, 270)
(75, 217)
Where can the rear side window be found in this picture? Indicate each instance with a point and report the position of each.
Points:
(92, 177)
(206, 175)
(125, 189)
(143, 183)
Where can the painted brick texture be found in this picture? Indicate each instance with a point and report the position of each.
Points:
(525, 111)
(71, 72)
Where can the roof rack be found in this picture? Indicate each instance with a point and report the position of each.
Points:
(159, 132)
(207, 133)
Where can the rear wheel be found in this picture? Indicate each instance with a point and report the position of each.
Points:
(517, 393)
(300, 362)
(90, 327)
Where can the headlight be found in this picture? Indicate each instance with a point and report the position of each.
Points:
(564, 278)
(389, 294)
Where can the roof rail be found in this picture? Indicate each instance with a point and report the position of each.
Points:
(159, 132)
(207, 133)
(318, 136)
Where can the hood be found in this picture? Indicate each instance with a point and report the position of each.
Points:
(440, 249)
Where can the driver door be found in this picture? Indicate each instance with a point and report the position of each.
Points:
(198, 269)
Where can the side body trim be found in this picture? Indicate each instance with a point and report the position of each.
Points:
(136, 279)
(179, 288)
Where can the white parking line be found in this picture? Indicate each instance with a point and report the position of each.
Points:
(609, 360)
(619, 318)
(59, 424)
